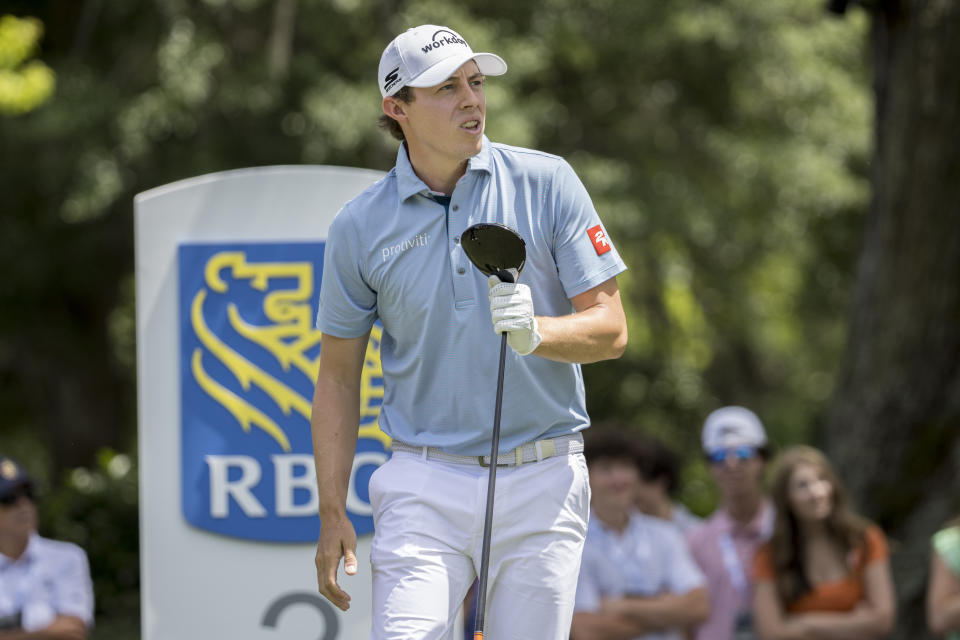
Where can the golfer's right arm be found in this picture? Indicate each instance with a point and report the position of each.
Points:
(334, 424)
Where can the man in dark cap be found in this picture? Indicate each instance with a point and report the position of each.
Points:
(45, 587)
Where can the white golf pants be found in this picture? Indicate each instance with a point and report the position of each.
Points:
(428, 518)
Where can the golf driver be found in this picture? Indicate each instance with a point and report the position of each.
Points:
(493, 249)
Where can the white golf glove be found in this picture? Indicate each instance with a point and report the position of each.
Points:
(511, 308)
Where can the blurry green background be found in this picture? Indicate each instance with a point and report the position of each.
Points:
(732, 147)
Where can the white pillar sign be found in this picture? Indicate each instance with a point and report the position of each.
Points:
(228, 268)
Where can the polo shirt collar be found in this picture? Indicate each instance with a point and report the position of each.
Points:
(409, 184)
(27, 555)
(760, 527)
(482, 161)
(633, 520)
(33, 546)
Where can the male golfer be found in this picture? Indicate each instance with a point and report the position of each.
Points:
(393, 254)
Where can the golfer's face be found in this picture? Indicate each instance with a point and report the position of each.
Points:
(447, 121)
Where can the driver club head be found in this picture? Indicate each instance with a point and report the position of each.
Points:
(493, 248)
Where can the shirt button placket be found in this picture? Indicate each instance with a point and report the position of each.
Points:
(456, 241)
(458, 257)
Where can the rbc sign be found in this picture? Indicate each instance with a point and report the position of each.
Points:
(249, 353)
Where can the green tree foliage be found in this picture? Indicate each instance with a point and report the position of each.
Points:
(724, 142)
(24, 84)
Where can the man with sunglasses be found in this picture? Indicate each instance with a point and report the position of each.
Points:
(45, 587)
(735, 445)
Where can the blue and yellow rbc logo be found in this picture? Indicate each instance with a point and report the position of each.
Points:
(249, 353)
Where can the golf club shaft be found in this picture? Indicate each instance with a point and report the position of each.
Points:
(491, 485)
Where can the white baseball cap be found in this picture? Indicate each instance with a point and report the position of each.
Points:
(731, 427)
(427, 55)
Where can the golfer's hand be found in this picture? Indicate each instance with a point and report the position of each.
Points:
(511, 309)
(337, 540)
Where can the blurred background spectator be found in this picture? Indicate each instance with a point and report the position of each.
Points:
(45, 587)
(826, 571)
(658, 484)
(943, 587)
(637, 579)
(735, 444)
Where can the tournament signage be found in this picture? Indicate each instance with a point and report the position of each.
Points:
(248, 359)
(228, 274)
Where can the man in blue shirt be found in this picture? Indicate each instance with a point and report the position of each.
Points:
(45, 587)
(637, 577)
(393, 255)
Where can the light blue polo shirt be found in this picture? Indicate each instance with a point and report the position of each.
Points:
(393, 254)
(51, 578)
(650, 557)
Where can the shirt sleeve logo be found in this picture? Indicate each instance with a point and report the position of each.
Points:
(599, 239)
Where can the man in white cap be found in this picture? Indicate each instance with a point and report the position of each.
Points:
(393, 255)
(735, 444)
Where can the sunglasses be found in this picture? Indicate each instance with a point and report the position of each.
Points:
(12, 497)
(739, 453)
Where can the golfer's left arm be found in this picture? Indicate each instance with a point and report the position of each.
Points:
(596, 330)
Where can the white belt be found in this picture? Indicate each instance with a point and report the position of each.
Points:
(529, 452)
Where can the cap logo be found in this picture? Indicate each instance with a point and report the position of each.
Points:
(444, 40)
(8, 470)
(391, 79)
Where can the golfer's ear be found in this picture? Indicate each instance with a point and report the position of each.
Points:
(393, 108)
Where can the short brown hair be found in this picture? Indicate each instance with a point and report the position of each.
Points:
(655, 462)
(609, 441)
(388, 124)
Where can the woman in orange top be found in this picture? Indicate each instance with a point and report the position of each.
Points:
(825, 573)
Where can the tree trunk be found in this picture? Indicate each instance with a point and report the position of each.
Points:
(281, 38)
(894, 425)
